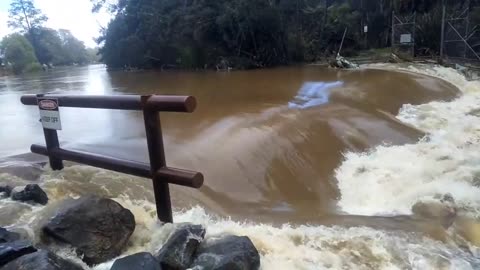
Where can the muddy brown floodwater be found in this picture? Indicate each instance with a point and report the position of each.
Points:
(376, 168)
(267, 141)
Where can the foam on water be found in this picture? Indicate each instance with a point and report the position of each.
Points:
(280, 247)
(307, 247)
(390, 179)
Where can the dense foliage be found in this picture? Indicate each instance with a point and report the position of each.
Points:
(19, 52)
(255, 33)
(50, 47)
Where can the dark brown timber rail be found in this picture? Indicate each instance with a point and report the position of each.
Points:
(121, 102)
(157, 170)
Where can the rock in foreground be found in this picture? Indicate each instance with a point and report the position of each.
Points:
(6, 189)
(139, 261)
(228, 253)
(41, 260)
(6, 236)
(13, 250)
(98, 228)
(178, 251)
(443, 210)
(31, 193)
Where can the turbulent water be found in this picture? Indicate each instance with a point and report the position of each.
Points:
(311, 164)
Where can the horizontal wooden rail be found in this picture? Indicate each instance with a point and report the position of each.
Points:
(120, 102)
(150, 105)
(165, 174)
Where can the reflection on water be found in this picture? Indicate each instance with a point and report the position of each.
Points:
(266, 139)
(313, 94)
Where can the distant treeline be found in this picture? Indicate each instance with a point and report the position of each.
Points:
(35, 47)
(256, 33)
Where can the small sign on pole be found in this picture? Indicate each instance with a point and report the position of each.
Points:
(49, 113)
(365, 29)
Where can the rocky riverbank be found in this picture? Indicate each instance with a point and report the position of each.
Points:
(99, 229)
(78, 230)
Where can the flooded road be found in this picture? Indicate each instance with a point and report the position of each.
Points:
(267, 139)
(321, 168)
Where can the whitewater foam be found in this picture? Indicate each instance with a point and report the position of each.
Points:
(390, 179)
(309, 247)
(280, 247)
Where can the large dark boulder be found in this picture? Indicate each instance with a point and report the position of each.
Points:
(31, 193)
(6, 236)
(178, 251)
(41, 260)
(11, 250)
(139, 261)
(228, 253)
(6, 189)
(98, 228)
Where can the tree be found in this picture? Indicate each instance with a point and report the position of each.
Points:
(49, 47)
(19, 53)
(93, 55)
(74, 49)
(24, 16)
(253, 33)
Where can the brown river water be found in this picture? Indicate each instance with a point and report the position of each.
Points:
(324, 165)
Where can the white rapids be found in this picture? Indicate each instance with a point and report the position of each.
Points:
(390, 179)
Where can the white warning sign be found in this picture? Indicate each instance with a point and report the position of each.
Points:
(49, 113)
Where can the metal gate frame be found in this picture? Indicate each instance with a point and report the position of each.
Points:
(397, 21)
(449, 26)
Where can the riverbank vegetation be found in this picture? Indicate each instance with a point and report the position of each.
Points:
(35, 46)
(256, 33)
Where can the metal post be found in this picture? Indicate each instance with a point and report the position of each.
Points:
(51, 141)
(156, 154)
(466, 43)
(341, 44)
(467, 25)
(393, 30)
(414, 30)
(442, 41)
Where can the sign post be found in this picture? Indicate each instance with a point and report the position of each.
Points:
(50, 118)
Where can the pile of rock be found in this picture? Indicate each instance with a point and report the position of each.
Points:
(99, 230)
(342, 63)
(31, 193)
(17, 253)
(186, 249)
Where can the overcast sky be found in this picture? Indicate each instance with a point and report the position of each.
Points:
(74, 15)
